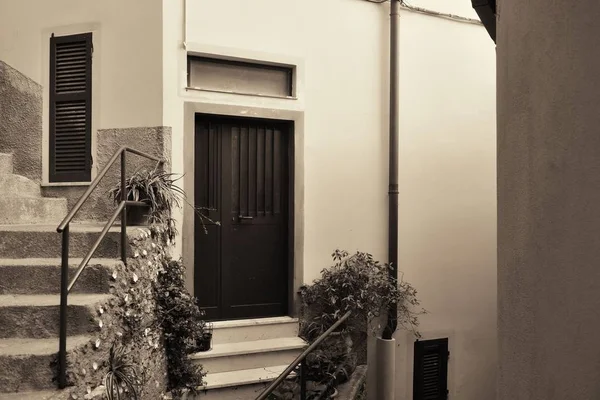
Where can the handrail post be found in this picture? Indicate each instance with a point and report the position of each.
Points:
(124, 212)
(303, 379)
(64, 282)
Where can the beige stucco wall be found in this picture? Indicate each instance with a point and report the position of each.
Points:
(447, 194)
(342, 173)
(548, 197)
(127, 67)
(447, 148)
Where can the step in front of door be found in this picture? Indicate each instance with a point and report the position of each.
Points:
(249, 355)
(239, 385)
(246, 330)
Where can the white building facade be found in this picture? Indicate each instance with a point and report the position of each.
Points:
(320, 100)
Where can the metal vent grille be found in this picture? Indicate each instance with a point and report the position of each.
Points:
(430, 378)
(70, 108)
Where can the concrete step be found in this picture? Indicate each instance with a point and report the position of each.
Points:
(230, 379)
(25, 363)
(41, 241)
(239, 385)
(42, 275)
(37, 316)
(254, 329)
(32, 210)
(249, 355)
(245, 392)
(17, 185)
(6, 163)
(37, 395)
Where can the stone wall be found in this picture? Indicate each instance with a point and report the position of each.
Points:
(128, 321)
(21, 121)
(155, 141)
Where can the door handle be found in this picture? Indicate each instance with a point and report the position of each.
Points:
(245, 218)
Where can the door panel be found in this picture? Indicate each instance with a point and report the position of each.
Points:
(207, 193)
(247, 257)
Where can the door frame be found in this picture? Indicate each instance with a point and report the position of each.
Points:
(295, 259)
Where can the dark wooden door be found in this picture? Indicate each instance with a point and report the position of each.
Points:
(242, 174)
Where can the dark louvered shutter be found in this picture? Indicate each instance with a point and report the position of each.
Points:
(71, 108)
(430, 377)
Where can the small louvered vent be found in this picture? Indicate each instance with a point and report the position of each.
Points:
(430, 378)
(70, 108)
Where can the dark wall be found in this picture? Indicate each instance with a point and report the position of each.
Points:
(548, 200)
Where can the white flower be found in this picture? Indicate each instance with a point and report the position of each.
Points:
(146, 331)
(149, 263)
(95, 366)
(119, 334)
(153, 245)
(100, 324)
(126, 296)
(145, 253)
(97, 343)
(114, 275)
(135, 278)
(136, 254)
(101, 310)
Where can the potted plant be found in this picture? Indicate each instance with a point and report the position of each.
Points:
(204, 341)
(359, 284)
(156, 189)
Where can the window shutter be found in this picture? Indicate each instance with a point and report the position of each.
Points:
(71, 108)
(430, 376)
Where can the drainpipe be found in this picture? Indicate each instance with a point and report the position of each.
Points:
(393, 164)
(386, 345)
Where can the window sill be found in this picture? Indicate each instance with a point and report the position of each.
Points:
(270, 96)
(65, 184)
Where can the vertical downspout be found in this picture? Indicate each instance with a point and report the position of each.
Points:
(392, 322)
(385, 366)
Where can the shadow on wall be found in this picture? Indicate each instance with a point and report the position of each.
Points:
(21, 121)
(99, 207)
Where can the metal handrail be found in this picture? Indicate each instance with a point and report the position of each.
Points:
(301, 359)
(63, 228)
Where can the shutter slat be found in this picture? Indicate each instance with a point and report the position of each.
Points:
(71, 68)
(70, 117)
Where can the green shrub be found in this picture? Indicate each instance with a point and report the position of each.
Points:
(182, 322)
(359, 284)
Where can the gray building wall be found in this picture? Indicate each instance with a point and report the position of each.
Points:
(21, 121)
(548, 200)
(155, 141)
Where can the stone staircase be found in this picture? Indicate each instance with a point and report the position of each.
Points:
(246, 355)
(30, 284)
(22, 202)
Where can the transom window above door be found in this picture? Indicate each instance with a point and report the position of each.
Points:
(217, 75)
